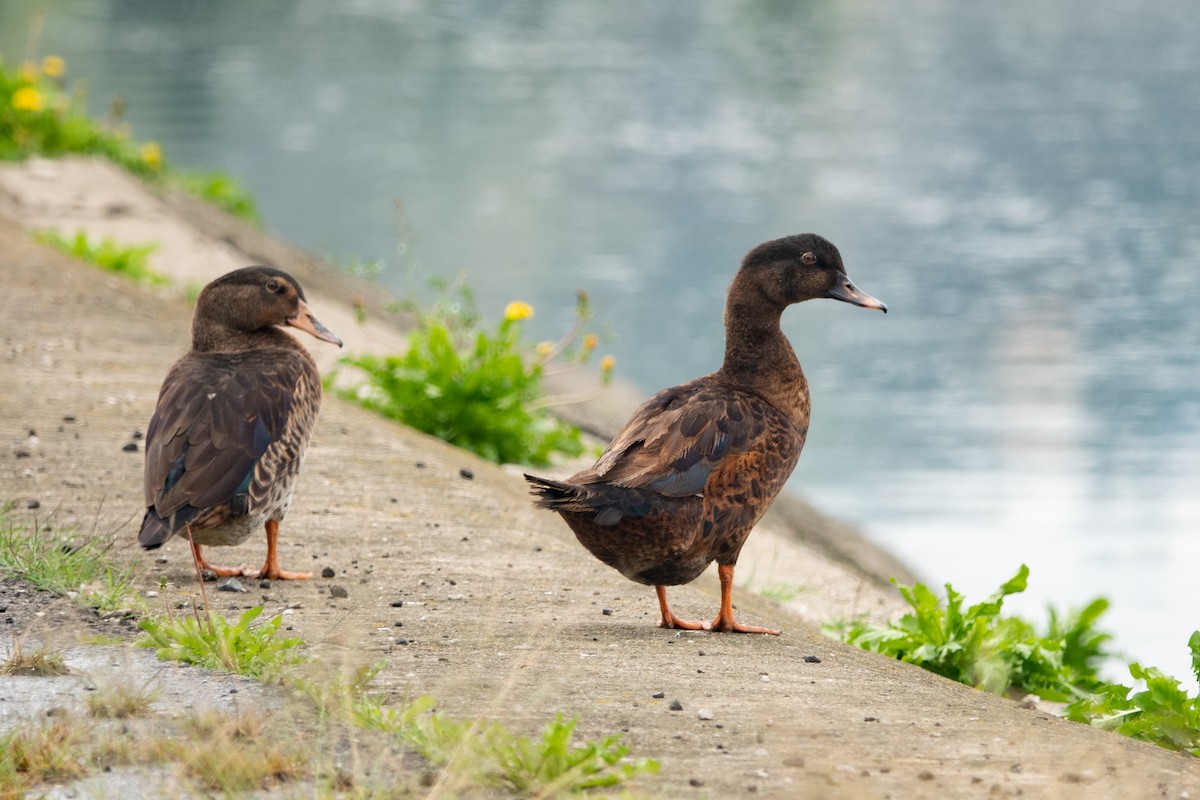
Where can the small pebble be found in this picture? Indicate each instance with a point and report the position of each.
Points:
(130, 447)
(397, 603)
(676, 705)
(21, 453)
(231, 585)
(264, 584)
(420, 465)
(812, 659)
(870, 719)
(695, 782)
(34, 504)
(704, 713)
(659, 695)
(402, 641)
(69, 417)
(606, 612)
(328, 572)
(339, 592)
(466, 473)
(137, 436)
(925, 775)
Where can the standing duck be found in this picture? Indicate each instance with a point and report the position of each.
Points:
(685, 480)
(234, 416)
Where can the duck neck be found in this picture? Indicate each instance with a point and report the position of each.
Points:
(760, 358)
(212, 337)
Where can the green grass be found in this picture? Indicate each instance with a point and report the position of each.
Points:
(126, 260)
(480, 752)
(41, 116)
(59, 563)
(213, 642)
(475, 387)
(979, 646)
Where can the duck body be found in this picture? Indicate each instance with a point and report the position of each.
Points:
(698, 464)
(234, 416)
(696, 467)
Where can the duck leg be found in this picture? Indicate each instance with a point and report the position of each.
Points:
(271, 569)
(724, 621)
(669, 620)
(202, 563)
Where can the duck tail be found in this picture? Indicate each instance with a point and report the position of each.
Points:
(571, 498)
(555, 495)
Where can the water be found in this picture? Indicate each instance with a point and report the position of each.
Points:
(1018, 181)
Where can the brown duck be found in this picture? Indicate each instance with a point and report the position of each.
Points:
(234, 416)
(697, 465)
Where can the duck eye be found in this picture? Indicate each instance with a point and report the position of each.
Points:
(273, 286)
(808, 258)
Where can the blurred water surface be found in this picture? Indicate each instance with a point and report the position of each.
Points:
(1018, 181)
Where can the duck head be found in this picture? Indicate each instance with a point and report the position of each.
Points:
(803, 267)
(253, 299)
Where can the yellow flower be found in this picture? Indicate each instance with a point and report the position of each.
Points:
(607, 363)
(28, 72)
(151, 153)
(28, 99)
(516, 310)
(589, 342)
(544, 349)
(53, 66)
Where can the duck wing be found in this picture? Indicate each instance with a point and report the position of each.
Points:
(677, 439)
(216, 417)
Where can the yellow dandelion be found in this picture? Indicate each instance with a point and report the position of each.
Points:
(28, 73)
(53, 66)
(28, 99)
(544, 349)
(151, 153)
(607, 363)
(516, 310)
(589, 342)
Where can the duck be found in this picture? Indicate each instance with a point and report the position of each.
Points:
(234, 416)
(685, 480)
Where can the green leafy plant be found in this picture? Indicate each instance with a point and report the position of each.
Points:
(214, 642)
(549, 765)
(1163, 713)
(126, 260)
(40, 115)
(113, 591)
(980, 647)
(475, 388)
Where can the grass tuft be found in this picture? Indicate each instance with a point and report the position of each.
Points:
(120, 701)
(42, 663)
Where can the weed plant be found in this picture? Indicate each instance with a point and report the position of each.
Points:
(41, 116)
(980, 647)
(213, 642)
(476, 388)
(126, 260)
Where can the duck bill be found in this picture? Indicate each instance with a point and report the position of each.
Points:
(847, 292)
(305, 321)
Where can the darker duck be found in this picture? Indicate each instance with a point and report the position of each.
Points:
(685, 480)
(234, 417)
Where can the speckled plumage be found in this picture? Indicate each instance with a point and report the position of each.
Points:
(697, 465)
(234, 416)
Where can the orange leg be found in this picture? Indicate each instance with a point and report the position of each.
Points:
(271, 570)
(202, 564)
(669, 620)
(724, 621)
